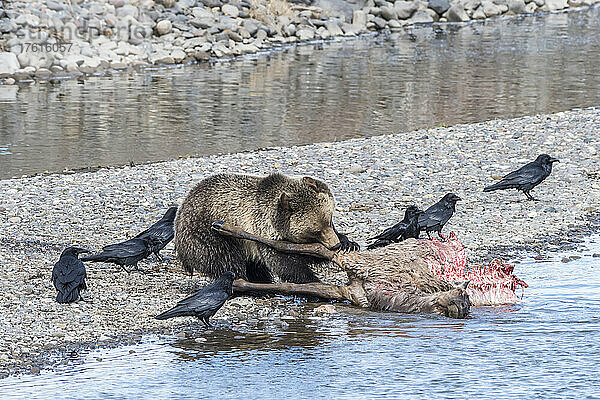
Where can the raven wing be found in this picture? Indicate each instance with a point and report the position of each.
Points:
(68, 273)
(433, 216)
(163, 231)
(527, 174)
(392, 233)
(128, 248)
(205, 300)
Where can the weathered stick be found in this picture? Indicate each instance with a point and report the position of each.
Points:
(311, 249)
(353, 292)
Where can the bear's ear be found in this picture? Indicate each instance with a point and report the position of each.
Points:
(315, 185)
(284, 202)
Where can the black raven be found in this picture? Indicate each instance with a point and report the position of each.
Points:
(527, 177)
(436, 216)
(68, 275)
(129, 252)
(407, 228)
(161, 233)
(205, 302)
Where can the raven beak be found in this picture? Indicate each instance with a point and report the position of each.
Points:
(80, 250)
(553, 160)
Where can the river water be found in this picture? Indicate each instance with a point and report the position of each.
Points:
(422, 77)
(546, 347)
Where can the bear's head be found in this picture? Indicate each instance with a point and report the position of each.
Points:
(305, 212)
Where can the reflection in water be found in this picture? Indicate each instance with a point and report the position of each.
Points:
(546, 347)
(423, 77)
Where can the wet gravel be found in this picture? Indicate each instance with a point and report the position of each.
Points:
(373, 180)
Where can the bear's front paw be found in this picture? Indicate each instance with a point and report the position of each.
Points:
(346, 244)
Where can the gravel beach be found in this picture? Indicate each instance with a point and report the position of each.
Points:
(373, 180)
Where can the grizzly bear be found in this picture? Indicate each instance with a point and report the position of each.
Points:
(277, 207)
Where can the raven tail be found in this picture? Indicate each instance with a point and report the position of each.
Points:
(173, 312)
(495, 186)
(93, 258)
(68, 297)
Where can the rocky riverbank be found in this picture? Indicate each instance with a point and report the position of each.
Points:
(373, 179)
(44, 39)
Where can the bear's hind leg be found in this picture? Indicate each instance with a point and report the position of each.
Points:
(257, 272)
(291, 268)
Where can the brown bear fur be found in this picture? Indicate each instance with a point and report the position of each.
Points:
(277, 207)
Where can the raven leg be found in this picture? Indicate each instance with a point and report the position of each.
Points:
(84, 300)
(442, 237)
(428, 235)
(206, 322)
(529, 196)
(160, 257)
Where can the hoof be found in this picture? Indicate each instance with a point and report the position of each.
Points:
(218, 225)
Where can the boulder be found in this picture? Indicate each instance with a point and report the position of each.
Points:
(380, 22)
(490, 9)
(230, 10)
(8, 63)
(555, 5)
(478, 13)
(471, 5)
(530, 8)
(388, 13)
(457, 13)
(333, 28)
(420, 17)
(305, 34)
(439, 6)
(164, 27)
(359, 18)
(405, 9)
(516, 6)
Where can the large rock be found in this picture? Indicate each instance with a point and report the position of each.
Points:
(333, 28)
(405, 9)
(8, 63)
(201, 12)
(490, 9)
(230, 10)
(555, 5)
(516, 6)
(8, 26)
(388, 13)
(350, 29)
(420, 17)
(339, 7)
(127, 10)
(164, 27)
(251, 26)
(439, 6)
(305, 34)
(478, 13)
(380, 22)
(471, 5)
(457, 13)
(530, 8)
(359, 18)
